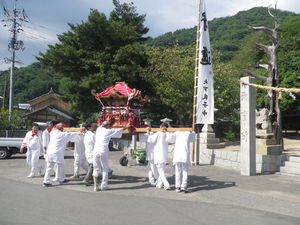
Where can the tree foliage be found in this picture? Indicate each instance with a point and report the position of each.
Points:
(289, 63)
(29, 82)
(171, 73)
(16, 122)
(97, 53)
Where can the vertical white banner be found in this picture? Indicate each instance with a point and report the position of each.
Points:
(205, 92)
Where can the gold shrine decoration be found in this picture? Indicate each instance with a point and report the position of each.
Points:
(137, 130)
(288, 90)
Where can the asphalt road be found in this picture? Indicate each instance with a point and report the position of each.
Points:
(218, 197)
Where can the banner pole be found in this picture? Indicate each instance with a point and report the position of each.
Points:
(195, 150)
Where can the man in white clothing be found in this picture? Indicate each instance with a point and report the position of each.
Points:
(46, 140)
(89, 142)
(181, 158)
(101, 151)
(55, 152)
(46, 137)
(79, 154)
(152, 170)
(160, 150)
(33, 143)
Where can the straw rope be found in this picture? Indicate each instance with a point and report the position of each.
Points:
(292, 90)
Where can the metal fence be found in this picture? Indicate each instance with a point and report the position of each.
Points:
(13, 133)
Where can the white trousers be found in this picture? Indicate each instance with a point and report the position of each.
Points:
(181, 175)
(60, 171)
(32, 160)
(80, 161)
(54, 169)
(100, 163)
(162, 180)
(152, 172)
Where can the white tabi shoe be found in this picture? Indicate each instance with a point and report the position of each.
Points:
(30, 175)
(167, 188)
(184, 190)
(159, 186)
(96, 188)
(103, 188)
(47, 185)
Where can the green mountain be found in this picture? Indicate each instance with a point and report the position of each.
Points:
(30, 81)
(227, 34)
(225, 29)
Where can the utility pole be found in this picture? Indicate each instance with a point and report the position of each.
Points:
(13, 57)
(14, 21)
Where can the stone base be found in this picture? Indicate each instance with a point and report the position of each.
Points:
(269, 149)
(211, 145)
(266, 143)
(267, 146)
(208, 139)
(261, 142)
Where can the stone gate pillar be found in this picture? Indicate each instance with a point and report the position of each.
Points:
(248, 127)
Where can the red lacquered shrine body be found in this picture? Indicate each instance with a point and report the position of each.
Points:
(121, 105)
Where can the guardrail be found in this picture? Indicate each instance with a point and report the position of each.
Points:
(13, 133)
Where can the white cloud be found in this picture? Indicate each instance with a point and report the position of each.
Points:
(31, 34)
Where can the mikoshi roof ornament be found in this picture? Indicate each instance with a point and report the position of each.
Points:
(121, 105)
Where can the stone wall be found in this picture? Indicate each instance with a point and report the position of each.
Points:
(217, 157)
(231, 159)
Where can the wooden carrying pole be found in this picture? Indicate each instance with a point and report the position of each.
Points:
(137, 130)
(195, 150)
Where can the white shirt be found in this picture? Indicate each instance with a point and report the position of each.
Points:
(149, 146)
(33, 143)
(46, 138)
(182, 146)
(79, 149)
(89, 142)
(160, 151)
(103, 136)
(58, 143)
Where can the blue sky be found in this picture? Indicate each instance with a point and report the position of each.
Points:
(47, 18)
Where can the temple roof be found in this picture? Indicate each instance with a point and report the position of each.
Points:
(52, 110)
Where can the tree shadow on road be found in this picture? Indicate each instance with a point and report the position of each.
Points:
(117, 179)
(115, 183)
(199, 183)
(195, 183)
